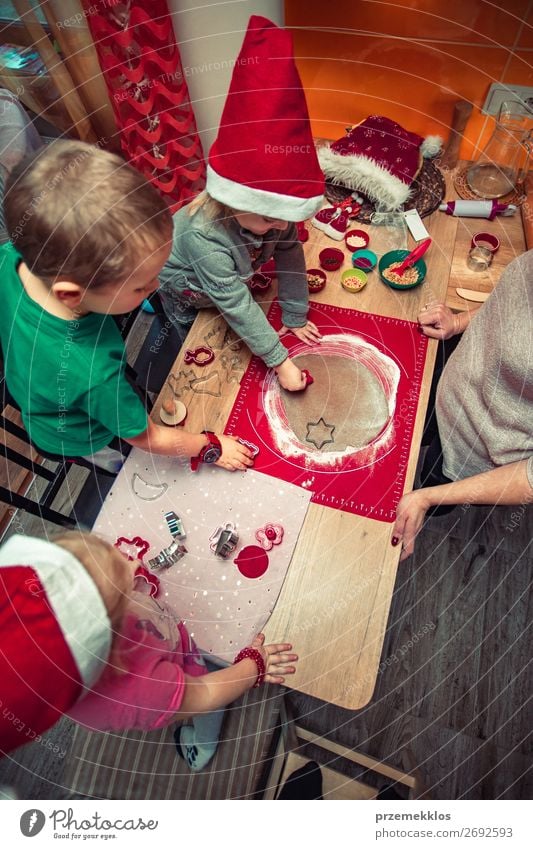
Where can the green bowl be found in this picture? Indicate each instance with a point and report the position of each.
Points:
(397, 256)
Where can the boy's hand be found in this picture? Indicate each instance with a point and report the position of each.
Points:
(276, 657)
(309, 333)
(290, 376)
(235, 456)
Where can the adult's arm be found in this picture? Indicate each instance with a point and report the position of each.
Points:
(509, 484)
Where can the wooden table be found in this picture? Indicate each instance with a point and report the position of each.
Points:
(509, 231)
(335, 601)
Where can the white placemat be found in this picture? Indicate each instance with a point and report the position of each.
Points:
(221, 607)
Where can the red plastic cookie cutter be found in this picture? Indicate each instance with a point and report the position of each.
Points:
(309, 379)
(260, 282)
(200, 356)
(125, 547)
(269, 535)
(253, 448)
(151, 579)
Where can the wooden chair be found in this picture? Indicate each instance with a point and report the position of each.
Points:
(290, 756)
(23, 463)
(18, 483)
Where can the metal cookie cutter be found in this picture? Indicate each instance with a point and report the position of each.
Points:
(224, 540)
(175, 525)
(200, 356)
(168, 556)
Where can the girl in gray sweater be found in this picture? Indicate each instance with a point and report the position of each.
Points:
(215, 252)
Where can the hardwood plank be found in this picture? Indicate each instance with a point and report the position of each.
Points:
(451, 764)
(509, 231)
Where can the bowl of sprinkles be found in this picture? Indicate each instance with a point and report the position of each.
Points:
(316, 280)
(353, 280)
(411, 277)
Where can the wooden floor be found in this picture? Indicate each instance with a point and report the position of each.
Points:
(453, 696)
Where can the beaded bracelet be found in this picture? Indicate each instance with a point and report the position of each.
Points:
(257, 658)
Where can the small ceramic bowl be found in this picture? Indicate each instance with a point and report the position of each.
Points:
(260, 282)
(396, 256)
(316, 279)
(356, 239)
(331, 259)
(365, 260)
(353, 280)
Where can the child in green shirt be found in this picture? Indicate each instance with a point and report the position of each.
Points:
(89, 236)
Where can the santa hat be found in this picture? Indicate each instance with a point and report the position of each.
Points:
(379, 159)
(55, 637)
(264, 159)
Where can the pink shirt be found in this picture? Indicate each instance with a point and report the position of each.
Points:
(155, 653)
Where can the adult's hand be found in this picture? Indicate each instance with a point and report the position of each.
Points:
(439, 322)
(410, 515)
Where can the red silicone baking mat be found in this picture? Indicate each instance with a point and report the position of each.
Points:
(384, 360)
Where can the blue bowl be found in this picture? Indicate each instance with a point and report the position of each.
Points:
(364, 259)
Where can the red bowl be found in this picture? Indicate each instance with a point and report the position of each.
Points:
(316, 286)
(360, 239)
(331, 259)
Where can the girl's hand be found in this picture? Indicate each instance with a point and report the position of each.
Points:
(235, 456)
(438, 321)
(276, 657)
(309, 333)
(290, 376)
(409, 520)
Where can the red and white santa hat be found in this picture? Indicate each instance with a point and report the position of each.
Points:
(264, 158)
(378, 158)
(55, 637)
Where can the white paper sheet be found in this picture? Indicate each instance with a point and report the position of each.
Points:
(222, 609)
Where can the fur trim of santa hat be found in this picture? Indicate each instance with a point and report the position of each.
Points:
(55, 636)
(264, 159)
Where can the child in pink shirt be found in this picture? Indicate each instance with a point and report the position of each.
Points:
(155, 675)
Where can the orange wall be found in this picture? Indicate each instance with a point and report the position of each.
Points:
(408, 59)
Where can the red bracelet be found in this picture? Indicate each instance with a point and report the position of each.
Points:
(257, 658)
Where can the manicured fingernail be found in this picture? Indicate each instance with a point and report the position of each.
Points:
(394, 541)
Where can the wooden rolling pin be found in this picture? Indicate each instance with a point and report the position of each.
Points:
(461, 113)
(527, 214)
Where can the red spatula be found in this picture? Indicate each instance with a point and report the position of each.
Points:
(411, 258)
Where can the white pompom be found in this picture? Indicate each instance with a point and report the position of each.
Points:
(431, 146)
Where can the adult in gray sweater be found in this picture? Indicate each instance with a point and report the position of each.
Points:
(215, 252)
(484, 404)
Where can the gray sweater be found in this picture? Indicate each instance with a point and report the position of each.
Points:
(210, 265)
(485, 394)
